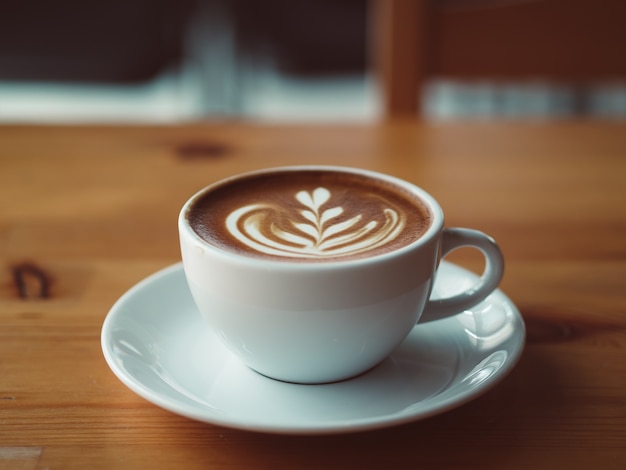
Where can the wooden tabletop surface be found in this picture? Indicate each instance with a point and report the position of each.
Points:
(86, 212)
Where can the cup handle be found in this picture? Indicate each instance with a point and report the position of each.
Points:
(453, 238)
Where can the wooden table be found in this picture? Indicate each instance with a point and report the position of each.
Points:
(86, 212)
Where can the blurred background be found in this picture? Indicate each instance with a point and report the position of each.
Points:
(168, 61)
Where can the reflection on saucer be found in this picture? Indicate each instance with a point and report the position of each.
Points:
(486, 368)
(488, 324)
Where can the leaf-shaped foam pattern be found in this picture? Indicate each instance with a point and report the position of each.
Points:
(312, 232)
(330, 214)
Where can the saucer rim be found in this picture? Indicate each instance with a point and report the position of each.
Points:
(195, 411)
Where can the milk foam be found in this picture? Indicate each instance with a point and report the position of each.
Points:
(320, 228)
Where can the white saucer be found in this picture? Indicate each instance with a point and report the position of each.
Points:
(156, 342)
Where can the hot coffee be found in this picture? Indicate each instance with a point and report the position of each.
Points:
(312, 215)
(254, 249)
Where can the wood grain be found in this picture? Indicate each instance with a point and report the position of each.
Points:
(92, 210)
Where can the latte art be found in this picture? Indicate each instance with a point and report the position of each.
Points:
(317, 229)
(308, 215)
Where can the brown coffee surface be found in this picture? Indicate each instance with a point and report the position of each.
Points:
(309, 215)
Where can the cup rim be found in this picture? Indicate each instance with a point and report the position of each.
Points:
(430, 202)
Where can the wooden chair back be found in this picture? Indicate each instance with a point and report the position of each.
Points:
(563, 41)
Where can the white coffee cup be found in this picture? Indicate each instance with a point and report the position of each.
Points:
(325, 321)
